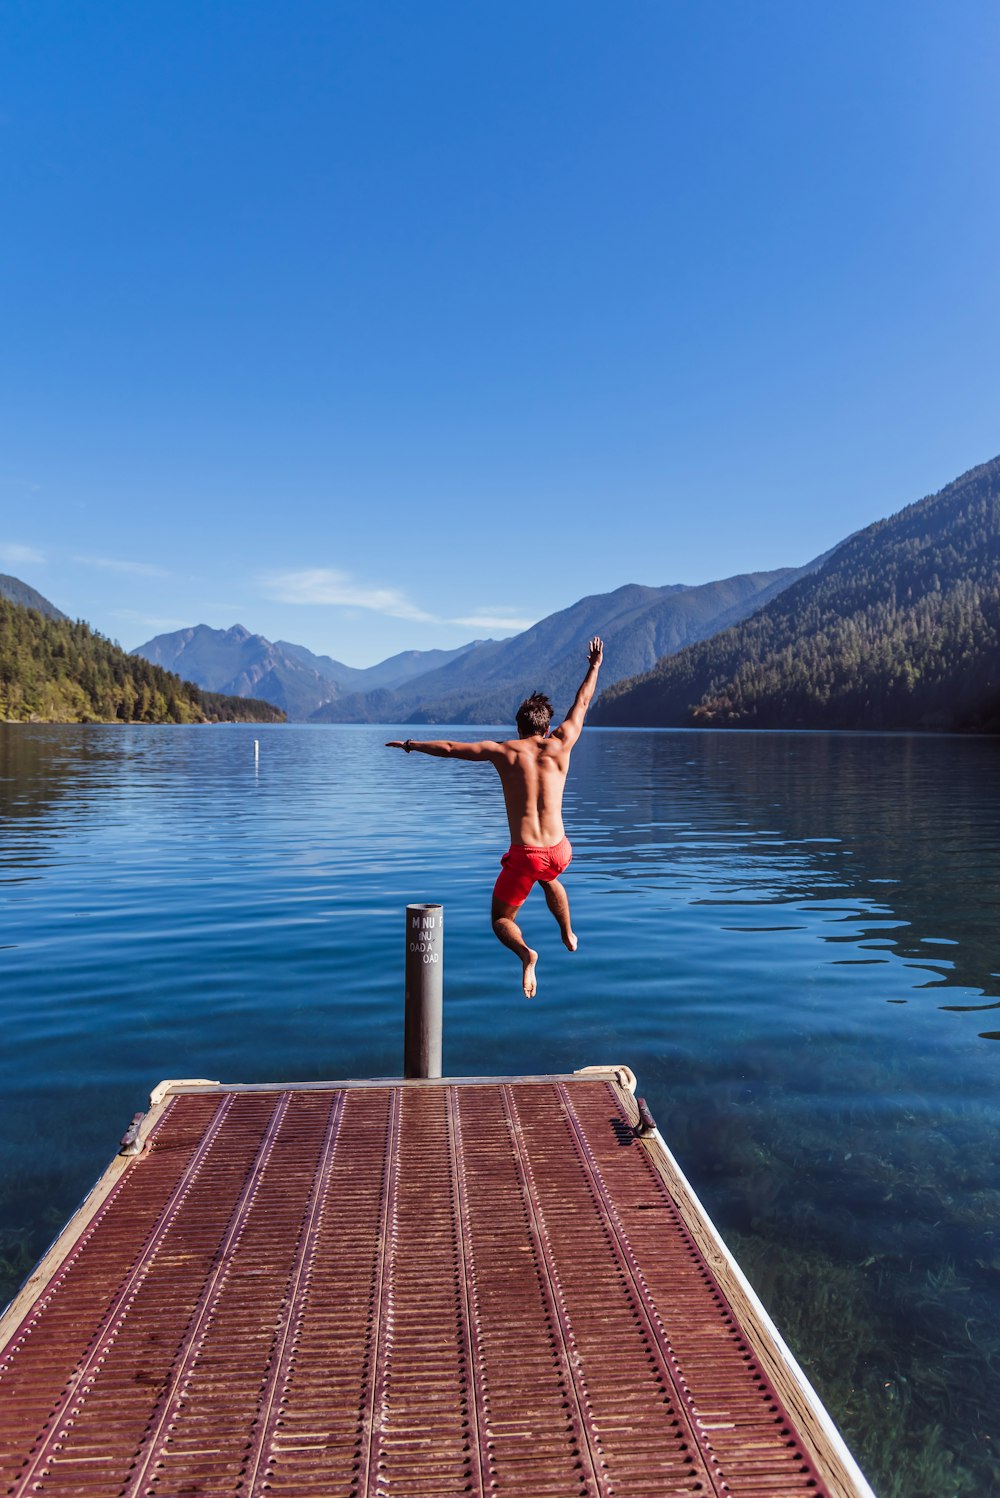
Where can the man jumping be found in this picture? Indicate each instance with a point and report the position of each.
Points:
(532, 770)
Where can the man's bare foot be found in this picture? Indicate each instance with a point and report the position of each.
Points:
(530, 985)
(569, 941)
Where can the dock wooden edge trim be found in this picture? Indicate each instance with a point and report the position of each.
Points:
(816, 1427)
(61, 1248)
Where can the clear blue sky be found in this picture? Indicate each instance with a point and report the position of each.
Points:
(388, 325)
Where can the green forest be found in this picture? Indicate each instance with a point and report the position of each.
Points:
(900, 629)
(58, 671)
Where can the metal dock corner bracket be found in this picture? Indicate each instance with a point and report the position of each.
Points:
(131, 1144)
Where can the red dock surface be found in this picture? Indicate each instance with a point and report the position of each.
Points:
(483, 1287)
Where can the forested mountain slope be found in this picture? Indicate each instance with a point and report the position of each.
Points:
(57, 671)
(900, 628)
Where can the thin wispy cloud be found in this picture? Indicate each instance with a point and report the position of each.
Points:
(13, 554)
(328, 586)
(502, 622)
(115, 564)
(324, 585)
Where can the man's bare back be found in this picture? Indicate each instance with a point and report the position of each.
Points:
(532, 770)
(533, 775)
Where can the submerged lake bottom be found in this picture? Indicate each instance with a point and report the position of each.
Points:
(790, 938)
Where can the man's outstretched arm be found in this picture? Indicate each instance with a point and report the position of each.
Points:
(447, 748)
(569, 730)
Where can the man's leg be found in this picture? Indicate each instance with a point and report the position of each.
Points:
(558, 902)
(509, 932)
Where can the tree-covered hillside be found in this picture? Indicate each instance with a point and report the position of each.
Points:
(57, 671)
(899, 629)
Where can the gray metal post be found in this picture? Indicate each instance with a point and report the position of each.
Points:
(422, 1021)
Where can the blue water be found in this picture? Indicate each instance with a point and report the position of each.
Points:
(790, 938)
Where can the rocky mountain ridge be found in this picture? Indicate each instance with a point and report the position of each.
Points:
(238, 663)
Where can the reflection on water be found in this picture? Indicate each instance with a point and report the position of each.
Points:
(790, 938)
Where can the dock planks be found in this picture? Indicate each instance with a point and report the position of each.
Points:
(486, 1287)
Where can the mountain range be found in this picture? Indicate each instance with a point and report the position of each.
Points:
(638, 625)
(482, 681)
(898, 628)
(240, 664)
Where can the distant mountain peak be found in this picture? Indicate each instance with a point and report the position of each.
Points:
(242, 664)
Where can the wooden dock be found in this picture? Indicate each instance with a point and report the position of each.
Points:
(496, 1287)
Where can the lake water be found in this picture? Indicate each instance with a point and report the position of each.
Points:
(792, 939)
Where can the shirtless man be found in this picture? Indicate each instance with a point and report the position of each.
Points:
(532, 770)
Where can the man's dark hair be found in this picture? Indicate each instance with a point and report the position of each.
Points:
(534, 715)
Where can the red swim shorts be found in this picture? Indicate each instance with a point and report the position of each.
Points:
(523, 867)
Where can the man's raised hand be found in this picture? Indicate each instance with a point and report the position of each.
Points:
(595, 651)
